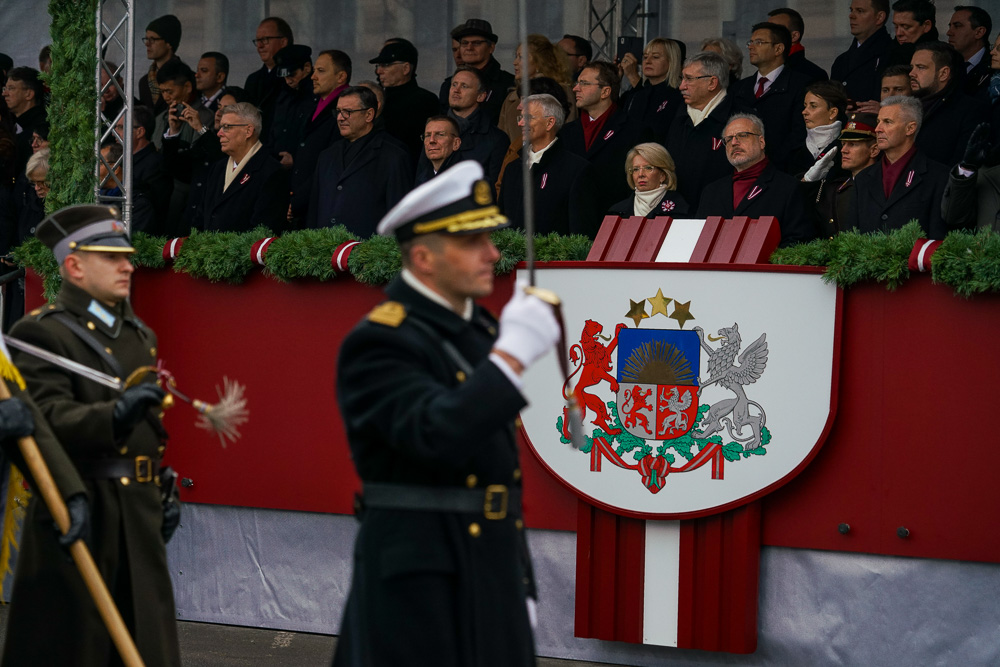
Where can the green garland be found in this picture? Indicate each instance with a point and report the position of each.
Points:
(968, 262)
(72, 107)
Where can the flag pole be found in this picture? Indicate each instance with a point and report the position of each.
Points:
(78, 550)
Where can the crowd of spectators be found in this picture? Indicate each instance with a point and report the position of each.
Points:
(886, 136)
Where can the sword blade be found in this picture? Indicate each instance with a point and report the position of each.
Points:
(68, 364)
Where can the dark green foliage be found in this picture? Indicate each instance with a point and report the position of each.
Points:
(376, 261)
(969, 263)
(553, 247)
(148, 250)
(510, 243)
(219, 256)
(814, 253)
(72, 112)
(306, 254)
(36, 256)
(732, 452)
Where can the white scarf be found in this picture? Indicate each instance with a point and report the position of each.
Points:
(233, 167)
(820, 137)
(645, 201)
(697, 116)
(534, 158)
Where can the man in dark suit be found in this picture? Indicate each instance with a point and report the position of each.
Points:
(756, 188)
(248, 188)
(774, 93)
(695, 140)
(904, 184)
(477, 41)
(482, 140)
(407, 105)
(564, 186)
(949, 114)
(969, 33)
(359, 178)
(602, 134)
(860, 67)
(331, 76)
(262, 86)
(796, 59)
(430, 393)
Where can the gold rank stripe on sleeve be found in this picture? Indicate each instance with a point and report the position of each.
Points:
(390, 314)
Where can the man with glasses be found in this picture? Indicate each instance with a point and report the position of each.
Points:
(248, 188)
(578, 50)
(564, 185)
(695, 139)
(441, 141)
(477, 42)
(774, 92)
(163, 36)
(358, 179)
(24, 95)
(407, 105)
(262, 87)
(602, 134)
(756, 188)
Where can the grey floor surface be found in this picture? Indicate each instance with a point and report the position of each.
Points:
(208, 645)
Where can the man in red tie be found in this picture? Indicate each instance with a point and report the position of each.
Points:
(774, 92)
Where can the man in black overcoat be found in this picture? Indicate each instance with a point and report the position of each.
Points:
(860, 67)
(756, 188)
(904, 184)
(477, 41)
(249, 187)
(362, 176)
(429, 386)
(565, 190)
(695, 140)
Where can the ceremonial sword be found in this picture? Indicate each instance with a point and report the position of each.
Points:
(221, 418)
(527, 187)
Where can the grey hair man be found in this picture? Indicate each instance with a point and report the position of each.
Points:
(564, 183)
(755, 188)
(248, 188)
(904, 184)
(695, 140)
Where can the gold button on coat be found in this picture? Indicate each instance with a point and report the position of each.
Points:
(474, 529)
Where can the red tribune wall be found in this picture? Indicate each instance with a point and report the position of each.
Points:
(912, 446)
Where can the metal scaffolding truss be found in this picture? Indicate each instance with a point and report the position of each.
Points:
(115, 60)
(607, 20)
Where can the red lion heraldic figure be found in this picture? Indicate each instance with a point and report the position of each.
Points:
(593, 362)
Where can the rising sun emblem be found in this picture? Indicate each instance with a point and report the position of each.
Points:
(657, 362)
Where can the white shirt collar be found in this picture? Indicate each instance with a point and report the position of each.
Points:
(974, 60)
(426, 291)
(534, 157)
(772, 76)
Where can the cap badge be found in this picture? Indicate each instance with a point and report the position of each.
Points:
(117, 226)
(481, 193)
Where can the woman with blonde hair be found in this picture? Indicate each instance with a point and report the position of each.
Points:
(728, 49)
(544, 59)
(654, 103)
(650, 171)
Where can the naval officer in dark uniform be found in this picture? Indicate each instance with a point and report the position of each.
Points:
(429, 393)
(114, 439)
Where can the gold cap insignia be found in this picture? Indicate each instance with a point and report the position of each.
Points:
(852, 126)
(481, 193)
(390, 314)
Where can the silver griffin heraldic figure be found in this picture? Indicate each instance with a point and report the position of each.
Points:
(723, 371)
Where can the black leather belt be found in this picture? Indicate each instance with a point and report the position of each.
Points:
(493, 502)
(138, 469)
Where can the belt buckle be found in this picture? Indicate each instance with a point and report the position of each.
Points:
(488, 511)
(140, 463)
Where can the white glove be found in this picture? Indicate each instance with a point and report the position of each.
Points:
(822, 167)
(528, 327)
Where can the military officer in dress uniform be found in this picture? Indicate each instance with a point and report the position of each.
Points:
(114, 439)
(429, 393)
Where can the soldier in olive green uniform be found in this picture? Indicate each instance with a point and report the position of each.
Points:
(115, 440)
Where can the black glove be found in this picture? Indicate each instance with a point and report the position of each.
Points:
(132, 406)
(79, 521)
(171, 519)
(978, 148)
(15, 419)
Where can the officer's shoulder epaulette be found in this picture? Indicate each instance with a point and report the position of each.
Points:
(48, 309)
(389, 313)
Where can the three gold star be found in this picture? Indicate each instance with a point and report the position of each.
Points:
(659, 303)
(682, 312)
(637, 312)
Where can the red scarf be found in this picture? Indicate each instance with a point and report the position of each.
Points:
(592, 128)
(744, 180)
(331, 98)
(892, 171)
